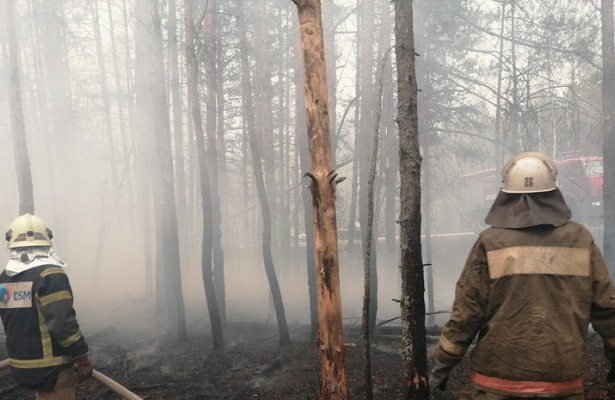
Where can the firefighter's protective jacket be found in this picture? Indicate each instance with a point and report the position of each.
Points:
(36, 307)
(530, 294)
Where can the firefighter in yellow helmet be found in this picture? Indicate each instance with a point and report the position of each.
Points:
(531, 286)
(46, 349)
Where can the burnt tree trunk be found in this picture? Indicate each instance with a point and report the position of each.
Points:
(20, 144)
(608, 129)
(331, 346)
(206, 257)
(414, 341)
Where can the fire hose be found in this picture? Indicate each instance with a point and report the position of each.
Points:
(100, 378)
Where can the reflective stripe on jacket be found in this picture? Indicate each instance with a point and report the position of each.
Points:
(36, 307)
(530, 295)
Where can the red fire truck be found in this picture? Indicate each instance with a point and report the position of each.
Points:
(579, 178)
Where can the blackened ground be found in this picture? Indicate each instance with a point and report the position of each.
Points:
(253, 366)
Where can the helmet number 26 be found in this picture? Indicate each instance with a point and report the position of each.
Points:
(529, 181)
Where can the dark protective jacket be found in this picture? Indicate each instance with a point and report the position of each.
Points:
(530, 294)
(36, 307)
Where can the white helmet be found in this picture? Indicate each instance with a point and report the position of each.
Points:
(28, 231)
(529, 172)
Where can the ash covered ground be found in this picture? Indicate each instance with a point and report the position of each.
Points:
(156, 367)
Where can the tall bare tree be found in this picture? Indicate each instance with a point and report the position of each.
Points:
(301, 141)
(193, 98)
(274, 286)
(153, 121)
(608, 129)
(368, 324)
(176, 104)
(331, 346)
(414, 341)
(211, 74)
(18, 125)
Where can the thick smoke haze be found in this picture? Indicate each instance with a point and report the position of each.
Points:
(478, 104)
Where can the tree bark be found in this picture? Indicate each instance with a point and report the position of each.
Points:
(308, 215)
(414, 342)
(608, 129)
(331, 346)
(18, 125)
(206, 257)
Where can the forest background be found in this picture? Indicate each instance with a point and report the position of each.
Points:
(109, 176)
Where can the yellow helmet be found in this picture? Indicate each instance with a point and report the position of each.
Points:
(529, 172)
(28, 231)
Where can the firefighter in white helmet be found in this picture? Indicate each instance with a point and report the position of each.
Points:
(46, 349)
(531, 286)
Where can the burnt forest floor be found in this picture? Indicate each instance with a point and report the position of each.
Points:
(253, 366)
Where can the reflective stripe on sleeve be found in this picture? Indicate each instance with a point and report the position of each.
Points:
(40, 363)
(552, 260)
(50, 271)
(525, 386)
(50, 298)
(73, 339)
(451, 348)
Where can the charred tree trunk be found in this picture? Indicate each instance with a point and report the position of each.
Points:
(20, 143)
(274, 286)
(331, 346)
(608, 128)
(414, 341)
(193, 98)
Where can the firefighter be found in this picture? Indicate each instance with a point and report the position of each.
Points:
(46, 349)
(531, 286)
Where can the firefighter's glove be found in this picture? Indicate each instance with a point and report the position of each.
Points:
(83, 367)
(439, 375)
(611, 376)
